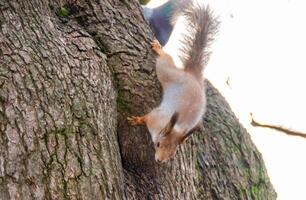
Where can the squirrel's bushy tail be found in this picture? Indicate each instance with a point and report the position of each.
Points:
(201, 28)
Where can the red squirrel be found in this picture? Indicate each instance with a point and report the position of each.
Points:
(184, 101)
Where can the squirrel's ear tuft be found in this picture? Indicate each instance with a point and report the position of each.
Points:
(170, 124)
(173, 119)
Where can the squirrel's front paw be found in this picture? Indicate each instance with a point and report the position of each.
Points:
(134, 120)
(157, 47)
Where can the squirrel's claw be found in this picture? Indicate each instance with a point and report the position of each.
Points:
(134, 120)
(156, 47)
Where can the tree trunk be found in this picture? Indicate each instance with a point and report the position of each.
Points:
(70, 74)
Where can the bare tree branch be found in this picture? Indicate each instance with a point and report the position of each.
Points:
(278, 128)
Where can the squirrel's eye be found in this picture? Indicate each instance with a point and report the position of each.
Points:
(157, 144)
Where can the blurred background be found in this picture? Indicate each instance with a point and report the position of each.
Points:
(259, 65)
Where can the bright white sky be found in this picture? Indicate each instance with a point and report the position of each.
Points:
(261, 48)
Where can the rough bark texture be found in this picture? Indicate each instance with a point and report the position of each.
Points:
(58, 112)
(70, 74)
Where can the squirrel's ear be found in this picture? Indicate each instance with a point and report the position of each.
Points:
(185, 136)
(171, 124)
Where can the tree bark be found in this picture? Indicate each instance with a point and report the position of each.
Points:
(70, 74)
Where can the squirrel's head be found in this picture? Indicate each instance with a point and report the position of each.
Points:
(168, 141)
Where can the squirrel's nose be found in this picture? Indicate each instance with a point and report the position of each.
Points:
(157, 160)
